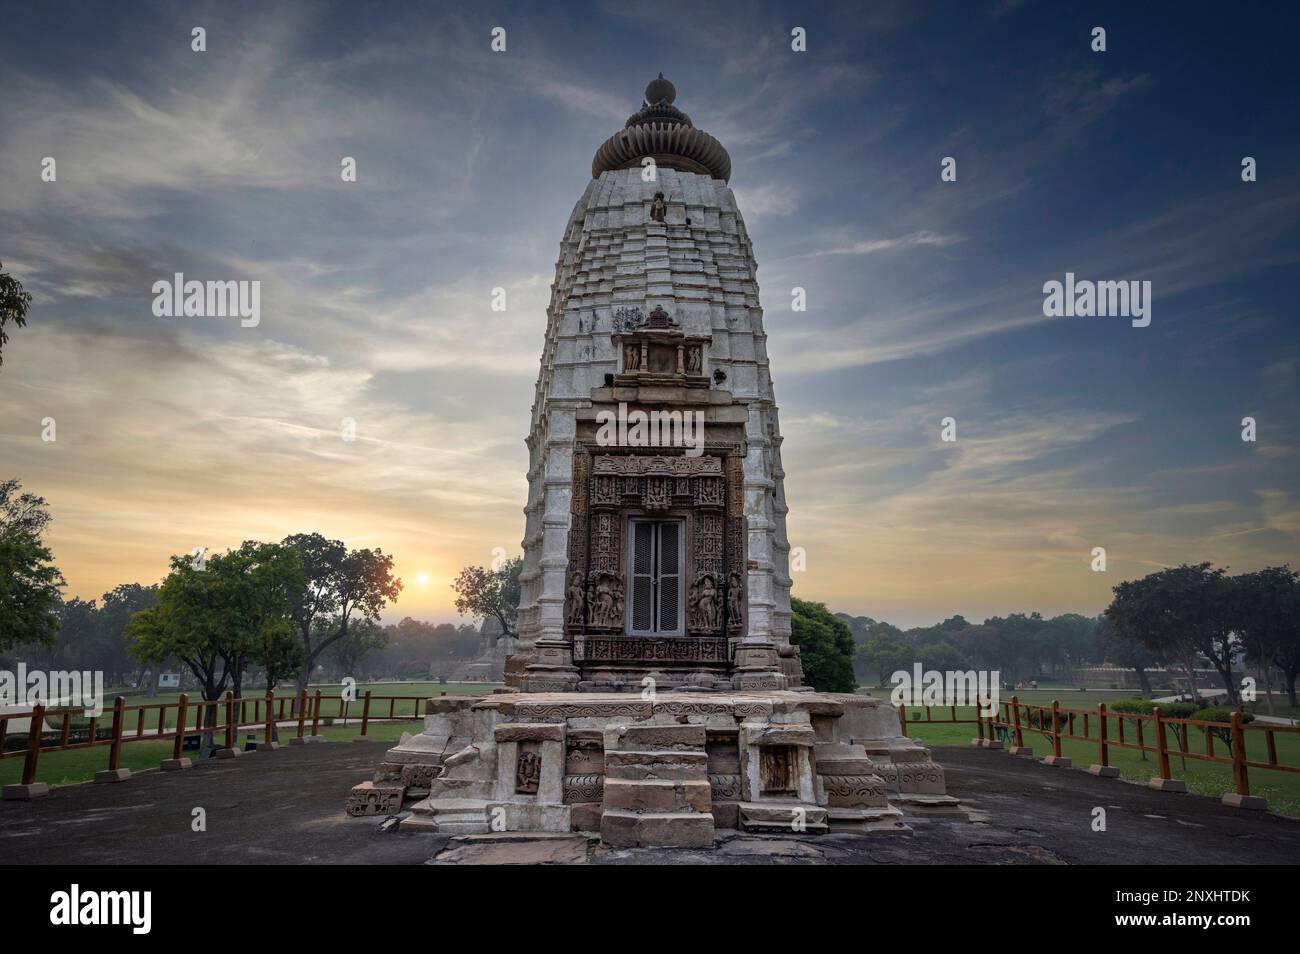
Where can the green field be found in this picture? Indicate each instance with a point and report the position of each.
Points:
(80, 765)
(1282, 789)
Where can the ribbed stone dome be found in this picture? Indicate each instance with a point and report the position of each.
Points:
(661, 130)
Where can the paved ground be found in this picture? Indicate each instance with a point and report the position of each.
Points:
(286, 807)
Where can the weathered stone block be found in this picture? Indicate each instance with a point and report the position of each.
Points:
(621, 829)
(1103, 771)
(175, 765)
(656, 765)
(113, 775)
(22, 793)
(375, 798)
(529, 732)
(1167, 784)
(646, 737)
(657, 795)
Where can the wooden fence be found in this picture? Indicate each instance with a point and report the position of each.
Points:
(1149, 732)
(222, 718)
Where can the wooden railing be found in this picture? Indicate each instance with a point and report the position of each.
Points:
(1149, 733)
(222, 718)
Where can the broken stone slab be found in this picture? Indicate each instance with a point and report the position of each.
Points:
(515, 848)
(623, 829)
(656, 765)
(375, 798)
(863, 821)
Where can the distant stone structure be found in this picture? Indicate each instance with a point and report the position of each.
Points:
(655, 695)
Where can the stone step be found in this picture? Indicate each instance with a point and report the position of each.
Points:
(652, 738)
(657, 795)
(867, 820)
(460, 816)
(781, 816)
(668, 764)
(624, 829)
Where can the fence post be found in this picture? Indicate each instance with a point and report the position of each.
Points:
(902, 719)
(1242, 798)
(315, 717)
(115, 772)
(32, 757)
(1019, 748)
(230, 752)
(365, 716)
(1056, 758)
(178, 761)
(1102, 766)
(268, 727)
(1164, 783)
(302, 717)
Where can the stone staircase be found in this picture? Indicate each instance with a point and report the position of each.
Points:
(657, 791)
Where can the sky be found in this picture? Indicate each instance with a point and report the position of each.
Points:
(925, 297)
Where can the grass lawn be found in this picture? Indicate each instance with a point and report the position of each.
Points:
(1282, 789)
(80, 765)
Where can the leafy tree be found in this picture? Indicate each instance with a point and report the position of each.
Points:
(482, 593)
(29, 581)
(1129, 653)
(1180, 612)
(825, 646)
(13, 306)
(109, 644)
(218, 617)
(364, 636)
(1268, 602)
(341, 586)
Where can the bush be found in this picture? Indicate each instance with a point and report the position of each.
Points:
(1133, 706)
(1223, 733)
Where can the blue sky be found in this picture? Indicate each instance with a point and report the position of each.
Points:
(924, 296)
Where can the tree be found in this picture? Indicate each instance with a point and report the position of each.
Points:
(1269, 615)
(340, 585)
(363, 637)
(825, 646)
(110, 644)
(29, 581)
(13, 306)
(219, 616)
(482, 593)
(1129, 653)
(1180, 612)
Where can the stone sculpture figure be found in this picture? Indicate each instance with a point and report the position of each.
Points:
(704, 603)
(631, 357)
(658, 207)
(575, 598)
(528, 772)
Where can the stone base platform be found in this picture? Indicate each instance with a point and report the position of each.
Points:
(669, 771)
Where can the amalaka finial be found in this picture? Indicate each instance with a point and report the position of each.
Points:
(660, 91)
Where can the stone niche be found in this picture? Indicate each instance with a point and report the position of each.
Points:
(776, 761)
(530, 778)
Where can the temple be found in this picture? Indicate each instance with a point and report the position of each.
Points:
(655, 695)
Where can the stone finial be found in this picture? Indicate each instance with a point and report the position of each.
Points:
(660, 90)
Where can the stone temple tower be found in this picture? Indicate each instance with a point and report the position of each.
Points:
(657, 550)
